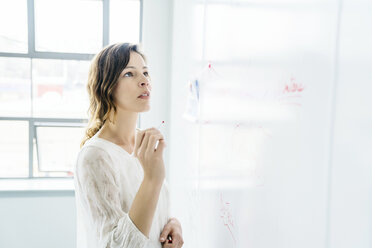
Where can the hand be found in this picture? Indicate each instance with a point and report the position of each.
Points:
(172, 228)
(150, 158)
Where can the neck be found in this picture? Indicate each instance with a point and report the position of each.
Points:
(123, 131)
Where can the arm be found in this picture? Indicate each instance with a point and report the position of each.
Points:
(99, 189)
(151, 159)
(144, 205)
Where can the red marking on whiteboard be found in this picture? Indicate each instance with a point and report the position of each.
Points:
(293, 87)
(226, 216)
(292, 91)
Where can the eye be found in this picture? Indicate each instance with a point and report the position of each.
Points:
(146, 73)
(128, 73)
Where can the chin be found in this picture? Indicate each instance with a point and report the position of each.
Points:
(146, 109)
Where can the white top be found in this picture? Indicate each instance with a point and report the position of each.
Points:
(106, 179)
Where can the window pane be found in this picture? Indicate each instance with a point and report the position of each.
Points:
(59, 88)
(124, 21)
(14, 149)
(13, 28)
(57, 148)
(68, 26)
(15, 87)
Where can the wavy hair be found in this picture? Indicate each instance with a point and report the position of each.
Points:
(104, 72)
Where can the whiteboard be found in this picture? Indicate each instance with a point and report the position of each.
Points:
(259, 162)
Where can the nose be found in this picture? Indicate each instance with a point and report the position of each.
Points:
(145, 83)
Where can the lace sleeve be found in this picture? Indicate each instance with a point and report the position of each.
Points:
(99, 191)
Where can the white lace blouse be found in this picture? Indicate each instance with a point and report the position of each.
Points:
(106, 179)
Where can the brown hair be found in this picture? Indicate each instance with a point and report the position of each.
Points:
(104, 72)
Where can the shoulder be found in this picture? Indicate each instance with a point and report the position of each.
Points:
(94, 147)
(93, 156)
(94, 164)
(93, 151)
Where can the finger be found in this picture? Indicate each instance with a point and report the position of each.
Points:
(161, 146)
(176, 244)
(145, 141)
(164, 234)
(180, 243)
(167, 244)
(152, 142)
(173, 243)
(176, 241)
(138, 142)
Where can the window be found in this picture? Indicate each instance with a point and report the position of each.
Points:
(45, 52)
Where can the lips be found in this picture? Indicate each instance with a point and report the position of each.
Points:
(146, 92)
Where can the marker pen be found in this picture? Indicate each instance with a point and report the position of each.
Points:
(159, 128)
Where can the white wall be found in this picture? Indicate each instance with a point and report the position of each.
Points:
(157, 33)
(37, 219)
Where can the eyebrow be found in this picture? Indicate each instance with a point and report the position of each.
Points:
(145, 67)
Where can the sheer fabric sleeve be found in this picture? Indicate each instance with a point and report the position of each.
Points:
(99, 191)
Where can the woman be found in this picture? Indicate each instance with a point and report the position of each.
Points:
(121, 193)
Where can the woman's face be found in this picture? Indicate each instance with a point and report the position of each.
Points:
(133, 81)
